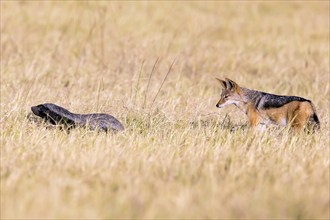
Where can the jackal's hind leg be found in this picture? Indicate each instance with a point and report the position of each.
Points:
(301, 117)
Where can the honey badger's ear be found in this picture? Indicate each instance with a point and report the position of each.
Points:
(223, 83)
(232, 85)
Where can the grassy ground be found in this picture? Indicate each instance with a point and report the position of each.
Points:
(179, 156)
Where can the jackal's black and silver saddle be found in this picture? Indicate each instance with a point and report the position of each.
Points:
(57, 115)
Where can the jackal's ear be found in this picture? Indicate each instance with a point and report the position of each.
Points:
(223, 83)
(233, 86)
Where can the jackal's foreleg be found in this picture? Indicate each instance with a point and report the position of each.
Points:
(253, 117)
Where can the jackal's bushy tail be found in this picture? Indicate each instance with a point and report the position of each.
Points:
(314, 120)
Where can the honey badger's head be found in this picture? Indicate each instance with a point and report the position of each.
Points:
(44, 112)
(40, 110)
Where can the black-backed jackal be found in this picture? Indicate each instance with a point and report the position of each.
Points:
(264, 108)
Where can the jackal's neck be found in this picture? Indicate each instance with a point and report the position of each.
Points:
(248, 96)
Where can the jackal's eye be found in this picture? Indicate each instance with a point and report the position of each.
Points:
(225, 96)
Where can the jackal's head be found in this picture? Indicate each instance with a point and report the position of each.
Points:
(231, 93)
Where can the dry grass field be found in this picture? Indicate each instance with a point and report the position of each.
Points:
(180, 156)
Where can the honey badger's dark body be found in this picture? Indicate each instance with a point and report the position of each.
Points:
(58, 115)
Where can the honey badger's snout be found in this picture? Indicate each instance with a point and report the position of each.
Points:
(36, 110)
